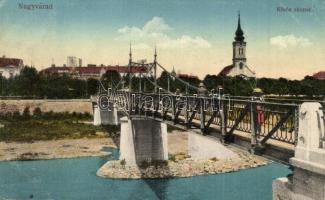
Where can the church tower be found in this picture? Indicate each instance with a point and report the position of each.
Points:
(239, 63)
(239, 48)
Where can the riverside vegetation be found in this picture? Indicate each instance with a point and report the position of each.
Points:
(25, 127)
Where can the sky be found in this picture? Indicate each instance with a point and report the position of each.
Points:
(193, 36)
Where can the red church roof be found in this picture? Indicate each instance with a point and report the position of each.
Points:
(225, 71)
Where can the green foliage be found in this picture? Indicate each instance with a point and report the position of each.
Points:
(123, 162)
(37, 112)
(26, 113)
(16, 115)
(30, 84)
(55, 126)
(214, 159)
(172, 157)
(111, 78)
(244, 87)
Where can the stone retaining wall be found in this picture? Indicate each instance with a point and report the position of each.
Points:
(69, 105)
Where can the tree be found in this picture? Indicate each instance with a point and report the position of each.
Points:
(27, 83)
(111, 78)
(92, 86)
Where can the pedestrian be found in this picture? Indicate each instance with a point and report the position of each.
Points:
(258, 96)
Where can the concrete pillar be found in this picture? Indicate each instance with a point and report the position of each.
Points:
(143, 140)
(308, 180)
(110, 116)
(96, 115)
(106, 117)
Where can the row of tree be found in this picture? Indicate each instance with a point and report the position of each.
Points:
(31, 84)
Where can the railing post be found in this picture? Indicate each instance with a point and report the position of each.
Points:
(202, 115)
(296, 130)
(253, 127)
(174, 110)
(186, 113)
(223, 119)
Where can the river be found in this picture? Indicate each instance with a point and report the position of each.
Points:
(76, 179)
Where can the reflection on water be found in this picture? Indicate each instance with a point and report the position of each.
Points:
(76, 179)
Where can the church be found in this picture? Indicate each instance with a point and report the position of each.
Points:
(239, 62)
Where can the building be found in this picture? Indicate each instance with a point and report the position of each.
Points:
(73, 61)
(239, 61)
(319, 75)
(187, 76)
(92, 71)
(10, 67)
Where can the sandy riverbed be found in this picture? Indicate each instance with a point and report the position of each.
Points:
(53, 149)
(69, 148)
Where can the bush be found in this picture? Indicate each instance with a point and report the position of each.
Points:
(26, 113)
(16, 115)
(214, 159)
(87, 115)
(37, 112)
(172, 157)
(48, 115)
(123, 162)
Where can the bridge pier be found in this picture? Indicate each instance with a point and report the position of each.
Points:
(105, 117)
(143, 140)
(308, 179)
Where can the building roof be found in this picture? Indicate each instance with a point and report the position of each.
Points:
(320, 75)
(5, 62)
(92, 69)
(225, 71)
(187, 76)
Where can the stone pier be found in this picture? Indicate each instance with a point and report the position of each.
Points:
(142, 140)
(109, 116)
(308, 179)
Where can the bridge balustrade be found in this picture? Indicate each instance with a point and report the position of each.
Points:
(262, 120)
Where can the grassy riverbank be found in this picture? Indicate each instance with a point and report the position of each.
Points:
(51, 126)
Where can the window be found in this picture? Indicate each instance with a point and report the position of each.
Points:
(241, 65)
(241, 51)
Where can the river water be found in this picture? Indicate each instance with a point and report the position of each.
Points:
(76, 179)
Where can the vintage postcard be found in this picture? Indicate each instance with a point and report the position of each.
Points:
(162, 100)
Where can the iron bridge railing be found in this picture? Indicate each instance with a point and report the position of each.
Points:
(262, 120)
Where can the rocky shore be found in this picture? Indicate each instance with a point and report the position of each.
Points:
(185, 167)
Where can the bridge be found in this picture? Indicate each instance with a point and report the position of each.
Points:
(264, 126)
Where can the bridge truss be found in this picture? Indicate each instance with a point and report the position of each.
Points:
(219, 112)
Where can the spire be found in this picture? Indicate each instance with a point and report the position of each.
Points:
(239, 32)
(155, 56)
(130, 54)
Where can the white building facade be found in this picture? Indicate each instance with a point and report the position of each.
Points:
(10, 67)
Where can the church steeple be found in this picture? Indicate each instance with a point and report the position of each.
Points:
(239, 32)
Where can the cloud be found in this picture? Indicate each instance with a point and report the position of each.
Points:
(2, 3)
(157, 32)
(284, 41)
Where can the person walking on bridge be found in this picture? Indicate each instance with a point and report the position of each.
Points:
(258, 96)
(202, 91)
